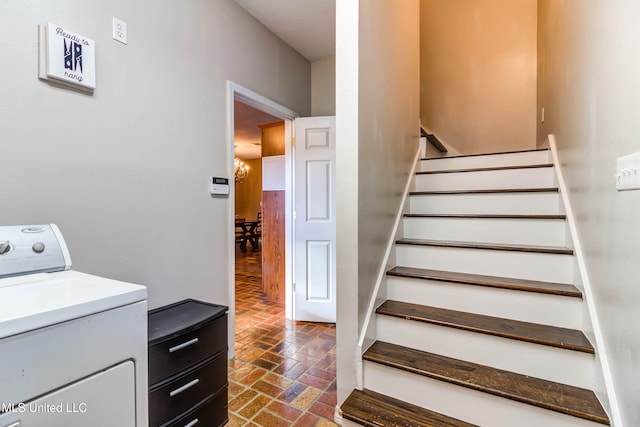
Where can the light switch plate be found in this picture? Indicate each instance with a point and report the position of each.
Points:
(628, 172)
(119, 30)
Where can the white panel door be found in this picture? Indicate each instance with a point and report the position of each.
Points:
(315, 220)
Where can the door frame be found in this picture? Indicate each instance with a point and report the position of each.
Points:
(254, 99)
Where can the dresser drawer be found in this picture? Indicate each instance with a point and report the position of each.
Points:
(184, 392)
(211, 413)
(167, 358)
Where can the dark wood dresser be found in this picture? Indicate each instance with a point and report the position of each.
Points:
(188, 365)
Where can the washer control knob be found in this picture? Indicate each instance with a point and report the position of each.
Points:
(38, 247)
(5, 247)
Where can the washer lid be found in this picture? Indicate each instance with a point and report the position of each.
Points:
(39, 300)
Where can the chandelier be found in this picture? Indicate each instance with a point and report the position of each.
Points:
(240, 170)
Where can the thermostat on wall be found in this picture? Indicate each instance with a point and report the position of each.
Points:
(219, 185)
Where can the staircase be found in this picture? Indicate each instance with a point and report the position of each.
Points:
(482, 324)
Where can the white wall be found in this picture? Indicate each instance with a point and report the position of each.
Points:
(124, 171)
(347, 144)
(478, 73)
(374, 158)
(590, 89)
(323, 87)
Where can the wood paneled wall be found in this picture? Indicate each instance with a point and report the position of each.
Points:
(272, 138)
(273, 246)
(273, 220)
(249, 192)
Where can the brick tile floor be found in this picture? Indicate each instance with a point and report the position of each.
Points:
(284, 372)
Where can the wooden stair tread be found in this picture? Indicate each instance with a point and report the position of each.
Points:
(489, 191)
(487, 154)
(489, 281)
(553, 336)
(487, 216)
(489, 246)
(486, 169)
(550, 395)
(373, 409)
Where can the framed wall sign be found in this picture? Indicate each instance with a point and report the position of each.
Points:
(67, 57)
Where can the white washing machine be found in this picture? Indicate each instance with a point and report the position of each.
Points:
(73, 347)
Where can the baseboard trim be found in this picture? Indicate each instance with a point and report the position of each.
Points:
(337, 416)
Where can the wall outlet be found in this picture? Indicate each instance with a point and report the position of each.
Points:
(119, 30)
(628, 172)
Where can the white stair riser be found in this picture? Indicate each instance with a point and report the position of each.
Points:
(505, 203)
(542, 232)
(490, 160)
(510, 178)
(545, 309)
(540, 361)
(519, 265)
(459, 402)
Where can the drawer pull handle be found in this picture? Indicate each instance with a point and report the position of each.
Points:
(184, 387)
(183, 345)
(192, 423)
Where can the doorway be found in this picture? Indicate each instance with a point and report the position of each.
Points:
(314, 231)
(282, 372)
(249, 208)
(239, 94)
(259, 225)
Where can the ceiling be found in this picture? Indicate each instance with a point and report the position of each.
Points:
(309, 26)
(246, 133)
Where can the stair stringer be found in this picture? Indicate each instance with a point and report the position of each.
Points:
(379, 295)
(605, 389)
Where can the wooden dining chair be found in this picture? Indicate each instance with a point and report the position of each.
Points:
(259, 227)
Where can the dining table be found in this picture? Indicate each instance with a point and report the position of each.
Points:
(247, 232)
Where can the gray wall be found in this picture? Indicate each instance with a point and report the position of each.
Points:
(388, 126)
(478, 73)
(124, 171)
(323, 87)
(377, 103)
(589, 86)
